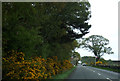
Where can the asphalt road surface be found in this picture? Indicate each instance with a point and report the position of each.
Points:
(87, 73)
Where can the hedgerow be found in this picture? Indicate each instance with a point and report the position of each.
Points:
(15, 66)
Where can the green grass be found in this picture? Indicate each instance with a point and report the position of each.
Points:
(63, 75)
(110, 69)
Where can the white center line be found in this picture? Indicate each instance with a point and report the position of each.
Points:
(99, 74)
(109, 79)
(90, 69)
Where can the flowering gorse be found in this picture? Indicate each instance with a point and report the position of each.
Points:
(16, 67)
(99, 62)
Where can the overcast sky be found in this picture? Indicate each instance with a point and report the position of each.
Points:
(104, 22)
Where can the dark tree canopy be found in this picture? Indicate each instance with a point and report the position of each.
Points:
(97, 44)
(44, 29)
(75, 17)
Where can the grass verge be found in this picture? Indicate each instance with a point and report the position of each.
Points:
(63, 75)
(109, 69)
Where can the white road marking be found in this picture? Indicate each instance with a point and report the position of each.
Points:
(109, 79)
(90, 69)
(99, 74)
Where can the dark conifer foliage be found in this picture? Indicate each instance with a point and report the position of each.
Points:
(44, 29)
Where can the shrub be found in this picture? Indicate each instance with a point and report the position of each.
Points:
(16, 67)
(98, 62)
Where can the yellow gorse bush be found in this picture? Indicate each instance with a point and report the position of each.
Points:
(16, 67)
(98, 62)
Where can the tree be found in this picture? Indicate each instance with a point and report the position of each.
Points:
(97, 44)
(75, 57)
(74, 17)
(19, 30)
(44, 29)
(61, 19)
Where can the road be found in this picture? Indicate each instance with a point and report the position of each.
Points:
(87, 73)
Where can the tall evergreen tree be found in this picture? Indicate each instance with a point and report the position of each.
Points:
(44, 29)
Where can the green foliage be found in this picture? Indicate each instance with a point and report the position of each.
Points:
(76, 55)
(88, 59)
(44, 29)
(97, 44)
(64, 75)
(109, 69)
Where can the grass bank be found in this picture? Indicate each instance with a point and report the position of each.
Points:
(63, 75)
(109, 69)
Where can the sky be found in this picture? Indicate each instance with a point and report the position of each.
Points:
(104, 22)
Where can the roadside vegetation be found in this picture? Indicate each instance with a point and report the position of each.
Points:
(64, 75)
(102, 63)
(115, 68)
(39, 39)
(17, 67)
(108, 68)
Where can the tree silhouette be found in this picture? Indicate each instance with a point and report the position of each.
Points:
(97, 44)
